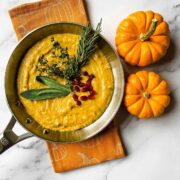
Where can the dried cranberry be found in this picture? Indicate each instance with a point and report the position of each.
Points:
(91, 77)
(92, 93)
(88, 82)
(79, 78)
(76, 88)
(78, 103)
(91, 96)
(75, 97)
(81, 84)
(85, 73)
(75, 82)
(85, 88)
(90, 88)
(83, 98)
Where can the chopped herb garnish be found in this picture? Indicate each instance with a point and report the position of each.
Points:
(53, 54)
(52, 39)
(53, 66)
(43, 60)
(63, 55)
(56, 45)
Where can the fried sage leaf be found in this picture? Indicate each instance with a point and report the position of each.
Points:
(53, 84)
(44, 93)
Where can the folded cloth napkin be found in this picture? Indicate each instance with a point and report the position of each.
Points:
(104, 146)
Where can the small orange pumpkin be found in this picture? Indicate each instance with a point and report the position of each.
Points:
(142, 38)
(146, 94)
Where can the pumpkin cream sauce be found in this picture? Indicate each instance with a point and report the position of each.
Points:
(64, 113)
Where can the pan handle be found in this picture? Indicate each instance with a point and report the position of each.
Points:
(10, 138)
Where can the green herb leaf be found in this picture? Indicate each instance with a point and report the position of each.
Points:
(52, 39)
(56, 45)
(43, 60)
(44, 93)
(53, 54)
(53, 84)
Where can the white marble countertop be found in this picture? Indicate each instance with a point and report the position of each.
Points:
(153, 146)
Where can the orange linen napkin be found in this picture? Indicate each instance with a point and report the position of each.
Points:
(106, 145)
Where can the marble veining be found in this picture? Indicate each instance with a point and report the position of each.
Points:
(152, 146)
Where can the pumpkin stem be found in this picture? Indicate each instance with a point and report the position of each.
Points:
(146, 36)
(146, 95)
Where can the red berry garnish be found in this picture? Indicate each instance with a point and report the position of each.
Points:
(91, 96)
(75, 82)
(76, 88)
(75, 97)
(85, 73)
(83, 98)
(90, 88)
(79, 78)
(88, 82)
(81, 84)
(91, 77)
(78, 103)
(85, 88)
(92, 92)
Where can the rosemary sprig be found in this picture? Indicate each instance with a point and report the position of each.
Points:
(87, 45)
